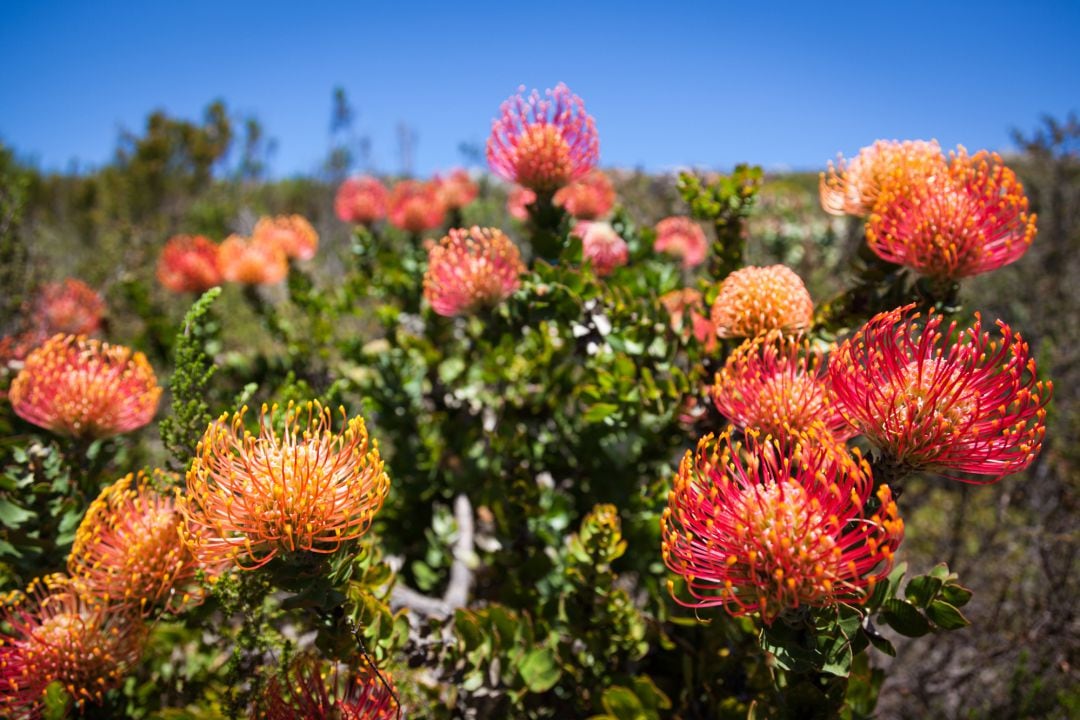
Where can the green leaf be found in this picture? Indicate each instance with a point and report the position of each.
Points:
(905, 618)
(946, 616)
(12, 515)
(599, 412)
(540, 670)
(623, 704)
(922, 589)
(956, 595)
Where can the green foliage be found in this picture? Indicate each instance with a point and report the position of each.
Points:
(725, 201)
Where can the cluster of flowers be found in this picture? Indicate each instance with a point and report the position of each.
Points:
(410, 205)
(71, 307)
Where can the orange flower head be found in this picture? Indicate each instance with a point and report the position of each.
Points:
(71, 307)
(415, 206)
(754, 300)
(518, 202)
(251, 497)
(602, 246)
(589, 198)
(339, 693)
(292, 233)
(361, 200)
(456, 190)
(943, 399)
(682, 237)
(85, 388)
(772, 526)
(853, 188)
(252, 262)
(189, 264)
(470, 270)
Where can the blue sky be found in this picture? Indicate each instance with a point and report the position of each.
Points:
(782, 84)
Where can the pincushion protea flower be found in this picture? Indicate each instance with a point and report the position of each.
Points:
(456, 190)
(543, 144)
(471, 269)
(518, 202)
(771, 527)
(339, 693)
(602, 246)
(251, 497)
(57, 635)
(680, 303)
(965, 220)
(755, 300)
(682, 237)
(589, 198)
(70, 307)
(127, 549)
(776, 384)
(189, 264)
(292, 233)
(85, 388)
(415, 206)
(252, 262)
(943, 399)
(853, 188)
(361, 200)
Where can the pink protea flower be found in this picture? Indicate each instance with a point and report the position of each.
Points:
(775, 384)
(689, 302)
(310, 489)
(456, 190)
(471, 269)
(292, 233)
(415, 206)
(589, 198)
(252, 262)
(518, 202)
(948, 400)
(601, 245)
(853, 188)
(964, 220)
(189, 264)
(755, 300)
(71, 307)
(684, 238)
(543, 144)
(312, 693)
(361, 200)
(85, 388)
(771, 527)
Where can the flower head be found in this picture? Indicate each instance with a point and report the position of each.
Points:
(339, 693)
(189, 264)
(292, 233)
(456, 190)
(471, 269)
(361, 200)
(589, 198)
(963, 221)
(415, 206)
(70, 307)
(252, 262)
(85, 388)
(602, 246)
(853, 188)
(251, 497)
(776, 384)
(679, 303)
(942, 399)
(682, 237)
(543, 144)
(768, 526)
(518, 202)
(755, 300)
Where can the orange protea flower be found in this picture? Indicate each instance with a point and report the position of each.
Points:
(601, 245)
(543, 144)
(252, 262)
(471, 269)
(952, 401)
(70, 307)
(57, 635)
(755, 300)
(853, 189)
(518, 202)
(680, 302)
(682, 237)
(189, 264)
(589, 198)
(292, 233)
(85, 388)
(415, 206)
(252, 497)
(361, 200)
(963, 221)
(128, 552)
(456, 190)
(337, 693)
(770, 527)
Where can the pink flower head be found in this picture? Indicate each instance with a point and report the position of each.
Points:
(189, 264)
(292, 233)
(456, 190)
(755, 300)
(518, 202)
(543, 144)
(680, 303)
(589, 198)
(361, 200)
(601, 245)
(682, 237)
(471, 269)
(312, 693)
(252, 262)
(70, 307)
(853, 188)
(415, 206)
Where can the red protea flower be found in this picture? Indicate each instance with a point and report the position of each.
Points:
(251, 497)
(755, 300)
(589, 198)
(456, 190)
(682, 237)
(70, 307)
(518, 202)
(361, 200)
(678, 304)
(963, 221)
(949, 400)
(340, 693)
(415, 206)
(252, 262)
(189, 264)
(775, 384)
(292, 233)
(57, 635)
(127, 549)
(471, 269)
(543, 144)
(601, 245)
(771, 527)
(853, 189)
(85, 388)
